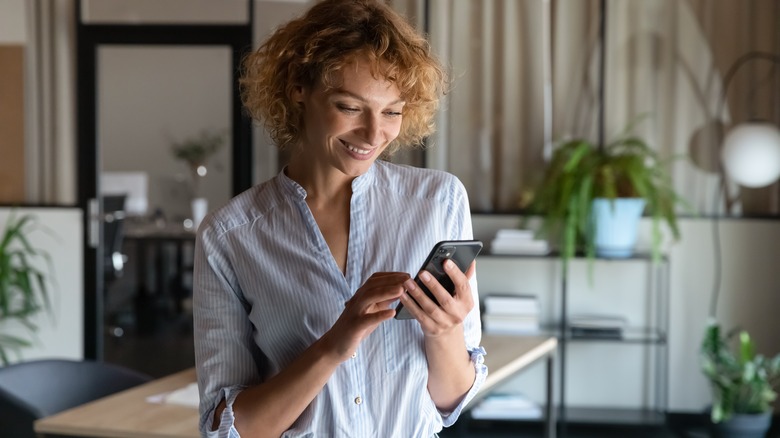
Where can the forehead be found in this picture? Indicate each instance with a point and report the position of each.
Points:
(358, 72)
(358, 79)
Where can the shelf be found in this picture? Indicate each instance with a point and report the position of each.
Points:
(647, 417)
(579, 256)
(631, 335)
(597, 416)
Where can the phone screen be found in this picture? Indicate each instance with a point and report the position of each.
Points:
(461, 252)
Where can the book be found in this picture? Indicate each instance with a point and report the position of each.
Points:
(518, 241)
(511, 304)
(600, 333)
(597, 321)
(510, 324)
(597, 326)
(514, 233)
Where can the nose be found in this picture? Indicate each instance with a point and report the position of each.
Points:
(372, 129)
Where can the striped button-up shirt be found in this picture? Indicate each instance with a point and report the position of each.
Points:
(266, 287)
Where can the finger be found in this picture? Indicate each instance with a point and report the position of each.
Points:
(386, 275)
(411, 305)
(428, 305)
(471, 270)
(376, 295)
(459, 279)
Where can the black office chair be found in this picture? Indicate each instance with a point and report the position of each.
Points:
(36, 389)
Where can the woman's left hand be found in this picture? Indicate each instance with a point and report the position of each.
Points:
(437, 320)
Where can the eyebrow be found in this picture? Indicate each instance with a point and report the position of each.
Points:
(339, 91)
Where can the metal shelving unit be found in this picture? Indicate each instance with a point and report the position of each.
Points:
(653, 336)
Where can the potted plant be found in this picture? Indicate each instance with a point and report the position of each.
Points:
(583, 180)
(196, 151)
(23, 286)
(743, 383)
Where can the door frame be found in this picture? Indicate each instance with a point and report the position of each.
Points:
(88, 38)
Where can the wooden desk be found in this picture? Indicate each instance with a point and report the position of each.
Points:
(508, 355)
(128, 414)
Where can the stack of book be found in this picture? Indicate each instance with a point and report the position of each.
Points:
(506, 407)
(597, 326)
(520, 242)
(511, 314)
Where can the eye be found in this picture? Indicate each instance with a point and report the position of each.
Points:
(393, 113)
(347, 109)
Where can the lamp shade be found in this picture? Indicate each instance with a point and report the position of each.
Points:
(751, 154)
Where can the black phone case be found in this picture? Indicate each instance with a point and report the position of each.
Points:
(461, 252)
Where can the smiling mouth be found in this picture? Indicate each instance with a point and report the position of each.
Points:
(356, 149)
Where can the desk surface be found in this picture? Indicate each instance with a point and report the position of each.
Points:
(509, 354)
(128, 414)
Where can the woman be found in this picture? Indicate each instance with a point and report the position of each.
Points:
(296, 279)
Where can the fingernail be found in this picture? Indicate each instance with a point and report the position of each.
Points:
(448, 264)
(409, 284)
(425, 276)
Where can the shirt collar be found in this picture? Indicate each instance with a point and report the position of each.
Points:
(359, 184)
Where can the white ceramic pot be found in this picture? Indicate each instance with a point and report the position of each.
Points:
(200, 206)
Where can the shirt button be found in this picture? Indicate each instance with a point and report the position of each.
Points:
(354, 355)
(358, 400)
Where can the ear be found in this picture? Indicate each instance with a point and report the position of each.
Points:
(298, 94)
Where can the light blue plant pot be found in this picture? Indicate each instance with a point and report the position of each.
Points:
(616, 225)
(743, 426)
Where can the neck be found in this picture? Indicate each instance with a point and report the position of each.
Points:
(322, 185)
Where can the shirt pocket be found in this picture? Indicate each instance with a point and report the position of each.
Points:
(403, 344)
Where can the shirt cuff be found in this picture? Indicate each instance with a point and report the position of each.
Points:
(227, 427)
(478, 359)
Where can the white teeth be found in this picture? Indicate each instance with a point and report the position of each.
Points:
(356, 150)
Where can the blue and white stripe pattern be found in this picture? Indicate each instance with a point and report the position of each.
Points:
(266, 287)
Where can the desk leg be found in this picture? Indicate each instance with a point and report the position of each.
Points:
(549, 412)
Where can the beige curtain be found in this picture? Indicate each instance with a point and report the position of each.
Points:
(50, 103)
(665, 61)
(492, 127)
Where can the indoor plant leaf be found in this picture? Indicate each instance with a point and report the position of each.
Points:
(24, 288)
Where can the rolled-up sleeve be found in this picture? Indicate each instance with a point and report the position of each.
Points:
(225, 353)
(461, 228)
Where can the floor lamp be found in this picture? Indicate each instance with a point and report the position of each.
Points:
(750, 156)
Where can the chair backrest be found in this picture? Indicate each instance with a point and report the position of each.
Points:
(35, 389)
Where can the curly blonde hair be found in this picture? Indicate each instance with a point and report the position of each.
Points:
(312, 50)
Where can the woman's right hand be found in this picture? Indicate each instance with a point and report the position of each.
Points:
(364, 312)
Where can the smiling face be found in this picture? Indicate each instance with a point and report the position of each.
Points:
(348, 127)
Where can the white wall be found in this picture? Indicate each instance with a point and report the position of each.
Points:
(13, 25)
(61, 333)
(614, 375)
(152, 96)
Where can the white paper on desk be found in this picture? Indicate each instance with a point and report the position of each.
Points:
(187, 396)
(506, 407)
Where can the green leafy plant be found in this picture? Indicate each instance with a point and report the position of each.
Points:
(24, 290)
(742, 381)
(580, 172)
(196, 151)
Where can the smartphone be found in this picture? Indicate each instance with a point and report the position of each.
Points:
(461, 252)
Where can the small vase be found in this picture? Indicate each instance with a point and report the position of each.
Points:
(200, 206)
